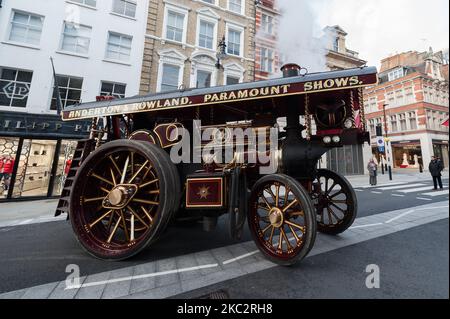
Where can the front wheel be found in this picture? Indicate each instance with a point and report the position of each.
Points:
(335, 201)
(281, 219)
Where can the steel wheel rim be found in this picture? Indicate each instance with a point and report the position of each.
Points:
(278, 221)
(116, 229)
(332, 202)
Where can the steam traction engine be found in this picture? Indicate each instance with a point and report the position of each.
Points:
(124, 189)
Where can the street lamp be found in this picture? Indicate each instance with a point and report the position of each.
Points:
(388, 155)
(221, 52)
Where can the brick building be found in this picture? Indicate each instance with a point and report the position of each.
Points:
(414, 89)
(182, 39)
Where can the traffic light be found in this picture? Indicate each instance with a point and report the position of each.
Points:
(379, 130)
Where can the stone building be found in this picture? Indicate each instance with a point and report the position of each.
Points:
(267, 58)
(182, 40)
(339, 57)
(414, 91)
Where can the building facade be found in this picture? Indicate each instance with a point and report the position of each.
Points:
(97, 47)
(267, 57)
(181, 44)
(412, 103)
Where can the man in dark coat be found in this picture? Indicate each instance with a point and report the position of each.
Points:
(435, 168)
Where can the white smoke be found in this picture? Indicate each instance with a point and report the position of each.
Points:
(301, 39)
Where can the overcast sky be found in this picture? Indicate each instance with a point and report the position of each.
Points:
(379, 28)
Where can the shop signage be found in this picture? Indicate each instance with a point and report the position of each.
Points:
(28, 125)
(16, 90)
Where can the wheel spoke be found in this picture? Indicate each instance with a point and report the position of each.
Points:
(148, 183)
(266, 202)
(340, 201)
(271, 194)
(114, 230)
(102, 179)
(115, 164)
(100, 218)
(96, 199)
(294, 202)
(148, 171)
(111, 218)
(147, 213)
(132, 164)
(144, 201)
(336, 194)
(302, 228)
(266, 229)
(113, 177)
(286, 239)
(124, 224)
(277, 198)
(335, 216)
(132, 228)
(330, 218)
(280, 241)
(124, 172)
(271, 236)
(294, 233)
(105, 190)
(138, 217)
(138, 172)
(286, 195)
(338, 208)
(332, 187)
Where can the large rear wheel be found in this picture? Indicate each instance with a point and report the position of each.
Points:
(123, 196)
(281, 219)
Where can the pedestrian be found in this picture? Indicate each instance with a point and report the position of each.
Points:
(2, 165)
(8, 167)
(435, 168)
(372, 168)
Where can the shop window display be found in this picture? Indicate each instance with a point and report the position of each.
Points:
(34, 170)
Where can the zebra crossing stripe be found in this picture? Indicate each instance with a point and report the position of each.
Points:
(399, 187)
(414, 190)
(387, 184)
(437, 193)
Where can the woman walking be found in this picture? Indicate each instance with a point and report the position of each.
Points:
(372, 168)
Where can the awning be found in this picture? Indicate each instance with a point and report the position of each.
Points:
(445, 123)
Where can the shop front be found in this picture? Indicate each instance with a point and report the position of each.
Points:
(35, 154)
(407, 154)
